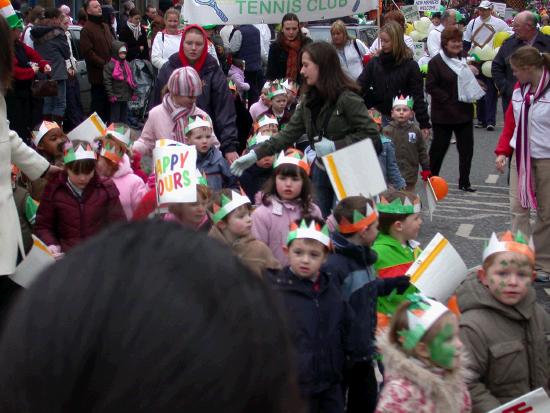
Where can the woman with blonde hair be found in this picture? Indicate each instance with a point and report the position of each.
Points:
(350, 50)
(394, 73)
(167, 42)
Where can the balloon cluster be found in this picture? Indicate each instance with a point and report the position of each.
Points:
(487, 53)
(420, 29)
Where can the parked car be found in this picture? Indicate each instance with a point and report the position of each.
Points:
(367, 33)
(81, 71)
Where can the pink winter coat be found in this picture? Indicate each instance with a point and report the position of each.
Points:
(130, 186)
(271, 223)
(159, 125)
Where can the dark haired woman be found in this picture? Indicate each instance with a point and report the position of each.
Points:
(97, 333)
(284, 54)
(134, 36)
(332, 115)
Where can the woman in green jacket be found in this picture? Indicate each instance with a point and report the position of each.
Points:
(332, 116)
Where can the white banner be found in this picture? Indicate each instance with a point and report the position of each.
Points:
(270, 11)
(536, 401)
(410, 13)
(500, 9)
(427, 5)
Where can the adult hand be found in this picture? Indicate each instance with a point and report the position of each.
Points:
(425, 174)
(47, 68)
(71, 72)
(52, 172)
(324, 147)
(426, 133)
(243, 163)
(500, 163)
(231, 157)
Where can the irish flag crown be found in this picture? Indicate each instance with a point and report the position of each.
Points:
(360, 221)
(276, 89)
(294, 157)
(403, 100)
(70, 154)
(7, 11)
(44, 128)
(201, 178)
(267, 119)
(313, 231)
(228, 205)
(120, 132)
(111, 151)
(422, 313)
(198, 121)
(509, 243)
(397, 206)
(257, 139)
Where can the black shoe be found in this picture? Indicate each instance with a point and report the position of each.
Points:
(490, 128)
(467, 188)
(479, 125)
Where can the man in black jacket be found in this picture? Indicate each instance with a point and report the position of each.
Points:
(525, 34)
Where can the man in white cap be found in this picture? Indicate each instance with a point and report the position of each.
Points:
(479, 32)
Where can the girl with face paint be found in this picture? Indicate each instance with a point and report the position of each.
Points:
(422, 356)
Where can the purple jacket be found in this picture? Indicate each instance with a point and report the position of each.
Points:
(216, 100)
(271, 223)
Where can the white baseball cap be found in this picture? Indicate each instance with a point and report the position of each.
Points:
(485, 5)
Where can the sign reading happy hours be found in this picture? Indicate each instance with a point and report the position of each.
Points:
(270, 11)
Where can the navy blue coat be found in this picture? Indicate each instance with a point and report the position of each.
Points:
(216, 100)
(253, 180)
(216, 169)
(319, 328)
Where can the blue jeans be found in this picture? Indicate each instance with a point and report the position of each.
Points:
(55, 105)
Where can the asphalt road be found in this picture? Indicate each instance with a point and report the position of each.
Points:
(468, 219)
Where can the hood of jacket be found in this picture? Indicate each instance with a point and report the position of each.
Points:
(210, 64)
(212, 157)
(354, 251)
(447, 391)
(115, 47)
(42, 34)
(472, 294)
(124, 167)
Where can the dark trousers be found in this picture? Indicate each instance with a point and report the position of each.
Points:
(19, 108)
(323, 195)
(74, 113)
(328, 401)
(442, 133)
(362, 388)
(255, 80)
(119, 112)
(9, 291)
(487, 105)
(99, 103)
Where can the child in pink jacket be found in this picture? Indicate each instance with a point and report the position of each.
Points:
(236, 74)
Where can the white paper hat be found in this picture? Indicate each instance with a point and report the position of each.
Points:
(198, 122)
(120, 132)
(228, 205)
(267, 119)
(44, 128)
(509, 243)
(422, 313)
(403, 101)
(313, 231)
(89, 130)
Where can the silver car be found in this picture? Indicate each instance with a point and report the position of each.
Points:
(367, 33)
(82, 72)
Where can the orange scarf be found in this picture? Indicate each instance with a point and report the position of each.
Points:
(292, 47)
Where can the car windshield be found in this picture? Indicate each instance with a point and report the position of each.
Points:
(323, 33)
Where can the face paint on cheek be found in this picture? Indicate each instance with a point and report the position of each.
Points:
(442, 351)
(502, 284)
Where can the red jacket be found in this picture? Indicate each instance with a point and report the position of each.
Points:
(503, 145)
(62, 219)
(26, 73)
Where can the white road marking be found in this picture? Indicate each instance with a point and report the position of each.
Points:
(492, 179)
(464, 230)
(547, 291)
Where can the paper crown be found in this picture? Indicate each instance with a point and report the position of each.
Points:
(293, 158)
(267, 119)
(111, 151)
(509, 243)
(231, 85)
(228, 205)
(198, 121)
(89, 129)
(120, 132)
(360, 221)
(422, 313)
(81, 153)
(266, 85)
(375, 116)
(276, 89)
(403, 100)
(257, 139)
(7, 11)
(290, 85)
(313, 231)
(397, 206)
(44, 128)
(201, 178)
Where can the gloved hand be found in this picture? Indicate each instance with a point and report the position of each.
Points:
(399, 283)
(426, 173)
(310, 154)
(55, 250)
(324, 147)
(134, 98)
(112, 99)
(243, 163)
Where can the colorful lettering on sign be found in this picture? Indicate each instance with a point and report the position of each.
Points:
(172, 182)
(262, 7)
(176, 160)
(519, 408)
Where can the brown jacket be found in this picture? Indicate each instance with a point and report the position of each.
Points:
(95, 46)
(508, 346)
(253, 253)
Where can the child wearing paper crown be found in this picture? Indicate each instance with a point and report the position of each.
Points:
(193, 214)
(287, 196)
(78, 203)
(410, 147)
(254, 178)
(232, 225)
(279, 100)
(423, 360)
(262, 105)
(267, 124)
(210, 160)
(505, 331)
(113, 162)
(318, 317)
(352, 266)
(119, 82)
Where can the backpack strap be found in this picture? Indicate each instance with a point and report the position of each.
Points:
(357, 48)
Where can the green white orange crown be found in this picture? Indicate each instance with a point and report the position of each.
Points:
(403, 101)
(313, 231)
(509, 243)
(290, 85)
(44, 128)
(276, 89)
(228, 205)
(201, 178)
(294, 157)
(257, 139)
(360, 221)
(198, 121)
(231, 85)
(6, 10)
(267, 119)
(81, 153)
(422, 313)
(120, 132)
(111, 151)
(397, 206)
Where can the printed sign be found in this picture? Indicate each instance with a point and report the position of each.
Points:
(89, 130)
(348, 174)
(500, 9)
(536, 401)
(430, 198)
(175, 173)
(411, 13)
(427, 5)
(270, 11)
(419, 50)
(38, 259)
(426, 272)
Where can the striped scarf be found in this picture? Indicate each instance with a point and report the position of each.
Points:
(179, 116)
(526, 187)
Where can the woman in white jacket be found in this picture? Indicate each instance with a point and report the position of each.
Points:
(350, 51)
(166, 42)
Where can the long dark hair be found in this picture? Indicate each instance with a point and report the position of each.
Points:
(293, 171)
(332, 80)
(140, 319)
(6, 55)
(290, 17)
